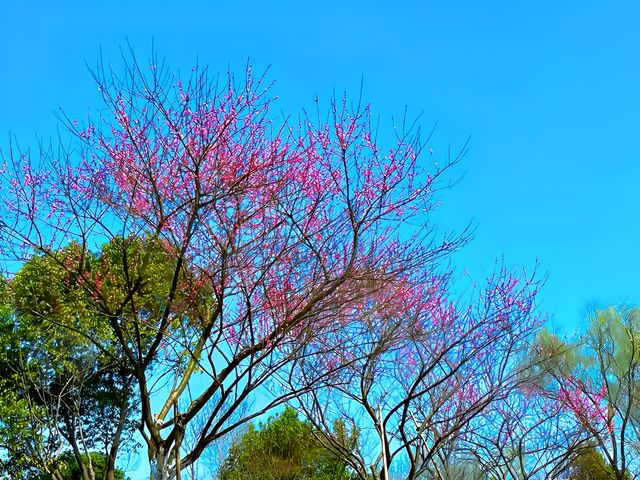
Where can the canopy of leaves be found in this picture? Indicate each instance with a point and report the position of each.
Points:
(284, 448)
(595, 381)
(69, 469)
(590, 465)
(14, 457)
(64, 379)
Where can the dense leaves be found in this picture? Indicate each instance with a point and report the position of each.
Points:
(284, 448)
(590, 465)
(69, 469)
(65, 388)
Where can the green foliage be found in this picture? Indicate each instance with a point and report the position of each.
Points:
(285, 448)
(63, 370)
(15, 458)
(590, 465)
(82, 291)
(133, 265)
(597, 378)
(614, 335)
(556, 356)
(69, 469)
(63, 373)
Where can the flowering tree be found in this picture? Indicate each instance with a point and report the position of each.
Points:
(214, 245)
(526, 435)
(421, 368)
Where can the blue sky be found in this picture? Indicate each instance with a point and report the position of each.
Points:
(548, 92)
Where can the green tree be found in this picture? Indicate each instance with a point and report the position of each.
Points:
(70, 469)
(590, 465)
(284, 448)
(65, 388)
(16, 455)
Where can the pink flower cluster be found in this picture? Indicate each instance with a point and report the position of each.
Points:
(590, 408)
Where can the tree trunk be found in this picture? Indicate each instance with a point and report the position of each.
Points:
(110, 470)
(176, 448)
(87, 474)
(159, 465)
(110, 473)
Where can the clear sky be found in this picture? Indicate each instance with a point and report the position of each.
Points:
(547, 90)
